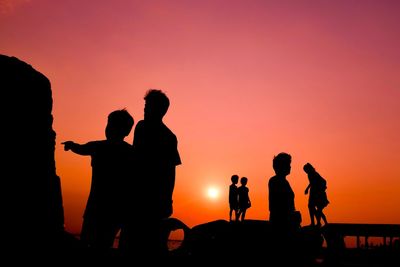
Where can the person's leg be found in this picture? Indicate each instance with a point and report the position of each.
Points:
(311, 211)
(239, 214)
(323, 217)
(318, 215)
(230, 214)
(243, 215)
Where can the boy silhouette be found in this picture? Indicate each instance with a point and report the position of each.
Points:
(244, 199)
(111, 161)
(233, 197)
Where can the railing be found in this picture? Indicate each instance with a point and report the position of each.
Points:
(335, 232)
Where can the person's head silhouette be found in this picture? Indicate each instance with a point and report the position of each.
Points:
(281, 164)
(119, 124)
(156, 105)
(308, 168)
(235, 179)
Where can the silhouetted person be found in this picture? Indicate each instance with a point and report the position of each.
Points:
(156, 151)
(111, 160)
(283, 215)
(285, 220)
(317, 199)
(233, 197)
(244, 199)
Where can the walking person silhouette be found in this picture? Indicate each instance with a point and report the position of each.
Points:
(111, 160)
(317, 199)
(233, 197)
(244, 199)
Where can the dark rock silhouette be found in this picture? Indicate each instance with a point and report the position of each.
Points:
(251, 242)
(33, 213)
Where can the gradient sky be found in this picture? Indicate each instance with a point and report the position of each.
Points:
(246, 79)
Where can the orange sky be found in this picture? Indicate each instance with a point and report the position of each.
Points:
(246, 79)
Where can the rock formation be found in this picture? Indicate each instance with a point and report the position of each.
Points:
(33, 211)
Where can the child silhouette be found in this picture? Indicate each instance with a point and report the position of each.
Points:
(244, 199)
(110, 160)
(233, 197)
(317, 199)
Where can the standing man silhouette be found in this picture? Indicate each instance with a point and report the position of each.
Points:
(156, 153)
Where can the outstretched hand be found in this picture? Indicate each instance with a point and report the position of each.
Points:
(67, 145)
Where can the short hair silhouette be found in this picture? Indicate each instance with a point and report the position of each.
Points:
(159, 102)
(120, 123)
(281, 161)
(235, 178)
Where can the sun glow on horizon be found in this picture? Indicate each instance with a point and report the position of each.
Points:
(213, 192)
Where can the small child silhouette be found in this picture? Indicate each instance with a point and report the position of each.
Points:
(233, 197)
(244, 199)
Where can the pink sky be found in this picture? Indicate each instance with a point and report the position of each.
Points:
(246, 79)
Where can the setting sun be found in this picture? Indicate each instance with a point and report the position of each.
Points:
(212, 193)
